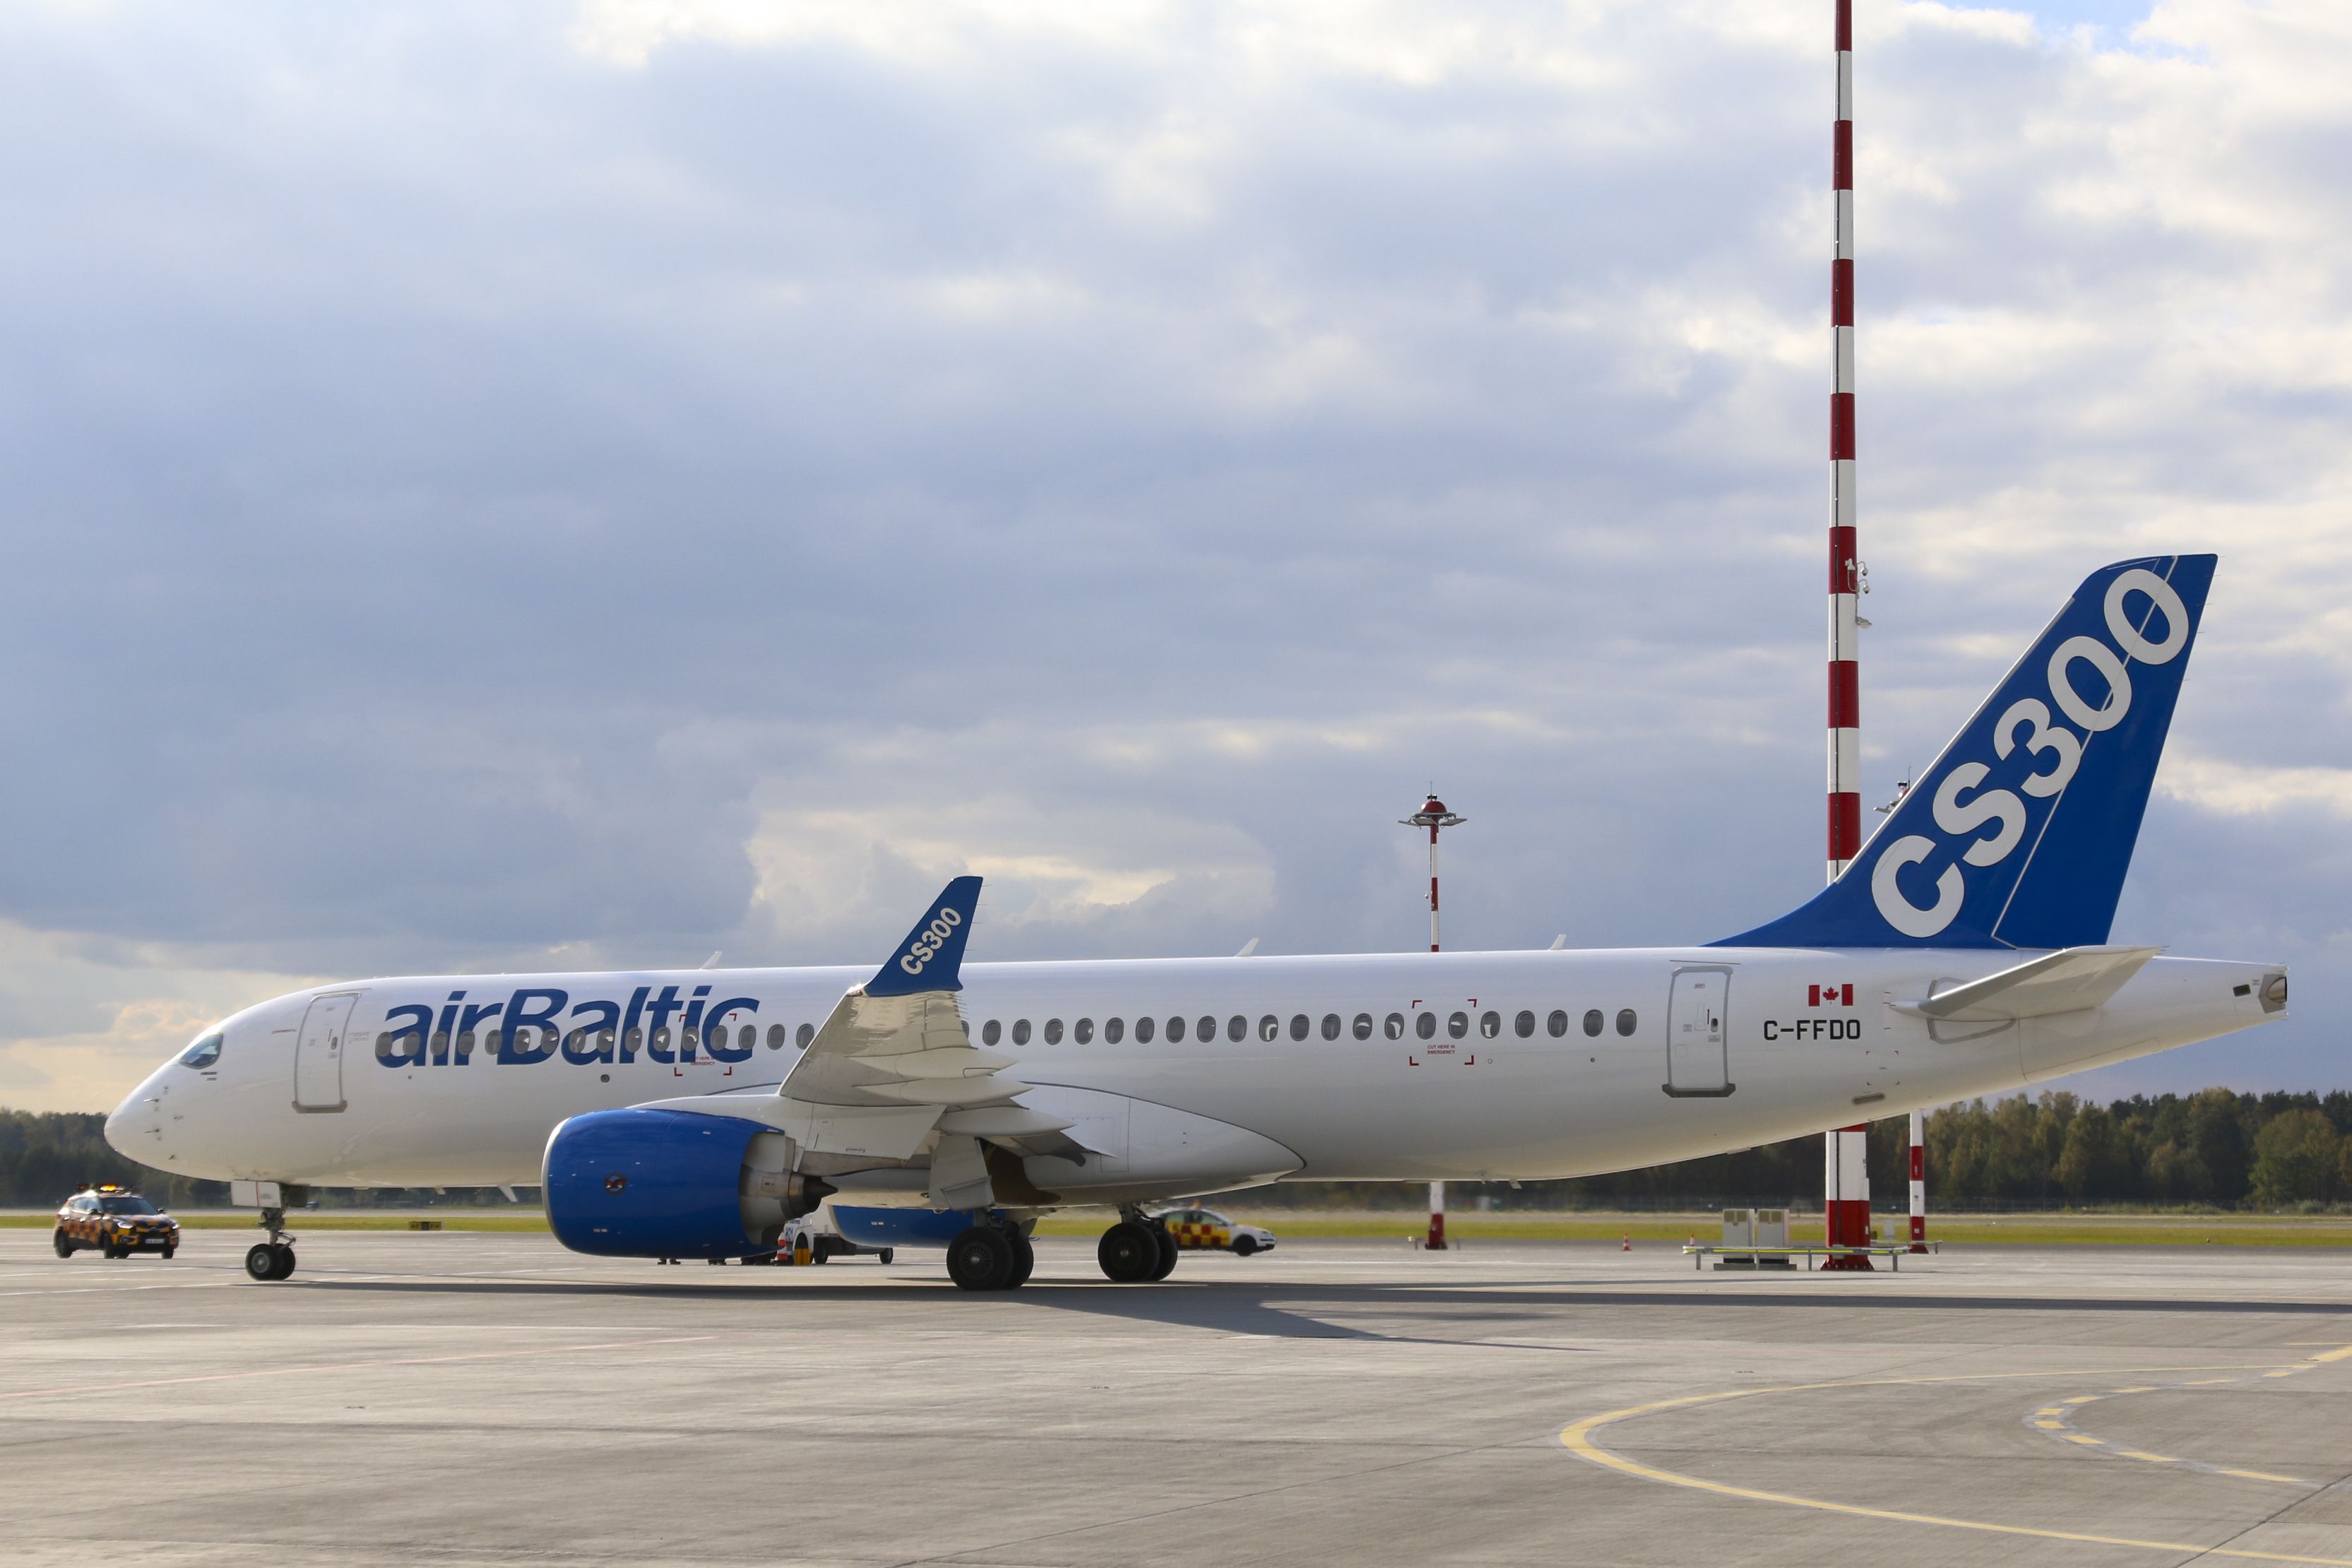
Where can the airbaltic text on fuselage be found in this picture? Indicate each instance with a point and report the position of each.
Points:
(539, 1023)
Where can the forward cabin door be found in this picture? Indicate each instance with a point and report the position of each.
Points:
(318, 1053)
(1697, 1057)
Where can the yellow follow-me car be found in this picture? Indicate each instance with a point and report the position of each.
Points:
(115, 1220)
(1196, 1229)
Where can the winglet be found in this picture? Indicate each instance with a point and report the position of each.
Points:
(932, 954)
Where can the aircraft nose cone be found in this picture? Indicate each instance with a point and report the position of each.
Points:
(118, 1130)
(132, 1127)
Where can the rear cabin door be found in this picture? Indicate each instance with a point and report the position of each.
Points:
(318, 1053)
(1697, 1058)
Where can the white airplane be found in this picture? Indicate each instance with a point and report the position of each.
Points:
(694, 1113)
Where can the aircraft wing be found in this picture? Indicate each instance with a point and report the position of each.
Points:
(2068, 981)
(894, 1065)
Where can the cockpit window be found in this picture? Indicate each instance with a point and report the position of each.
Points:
(203, 1053)
(129, 1202)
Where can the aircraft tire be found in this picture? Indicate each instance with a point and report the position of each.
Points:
(1128, 1253)
(285, 1261)
(261, 1261)
(1024, 1261)
(1169, 1251)
(64, 1244)
(887, 1254)
(980, 1258)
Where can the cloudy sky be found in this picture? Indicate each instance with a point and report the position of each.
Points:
(507, 487)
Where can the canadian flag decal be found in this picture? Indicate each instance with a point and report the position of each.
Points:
(1835, 995)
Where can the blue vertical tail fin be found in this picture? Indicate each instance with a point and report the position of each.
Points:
(2020, 833)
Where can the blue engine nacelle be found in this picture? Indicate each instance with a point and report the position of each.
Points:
(642, 1183)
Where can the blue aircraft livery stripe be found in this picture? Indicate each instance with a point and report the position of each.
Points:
(2019, 835)
(932, 954)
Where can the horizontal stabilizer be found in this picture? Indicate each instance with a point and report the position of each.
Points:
(2069, 981)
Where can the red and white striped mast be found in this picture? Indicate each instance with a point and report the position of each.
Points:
(1846, 1200)
(1918, 1181)
(1433, 816)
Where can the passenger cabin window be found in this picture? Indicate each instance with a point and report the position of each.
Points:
(1114, 1031)
(1019, 1031)
(1490, 1025)
(1457, 1025)
(203, 1053)
(1394, 1027)
(1084, 1031)
(1426, 1025)
(1237, 1028)
(1299, 1026)
(1052, 1031)
(1557, 1024)
(1330, 1025)
(1362, 1028)
(777, 1035)
(1626, 1021)
(1143, 1027)
(805, 1034)
(1269, 1027)
(1592, 1022)
(990, 1032)
(1176, 1028)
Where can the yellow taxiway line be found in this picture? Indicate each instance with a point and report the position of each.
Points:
(1578, 1439)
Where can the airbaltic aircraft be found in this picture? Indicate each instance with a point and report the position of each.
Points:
(694, 1113)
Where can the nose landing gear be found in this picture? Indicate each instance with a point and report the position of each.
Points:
(273, 1259)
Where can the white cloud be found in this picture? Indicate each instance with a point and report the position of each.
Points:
(82, 1021)
(2235, 789)
(487, 484)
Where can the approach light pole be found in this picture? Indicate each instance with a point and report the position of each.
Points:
(1433, 816)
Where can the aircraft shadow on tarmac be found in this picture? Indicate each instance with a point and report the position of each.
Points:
(1287, 1311)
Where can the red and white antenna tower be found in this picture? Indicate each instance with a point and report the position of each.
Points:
(1433, 816)
(1846, 1200)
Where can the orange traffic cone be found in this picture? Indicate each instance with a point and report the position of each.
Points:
(1628, 1246)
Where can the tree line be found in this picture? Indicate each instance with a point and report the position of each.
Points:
(2215, 1148)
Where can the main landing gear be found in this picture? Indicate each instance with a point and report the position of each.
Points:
(273, 1259)
(990, 1257)
(1136, 1251)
